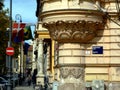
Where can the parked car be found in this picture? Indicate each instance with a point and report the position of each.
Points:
(14, 80)
(3, 83)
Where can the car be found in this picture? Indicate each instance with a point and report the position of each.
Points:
(14, 80)
(3, 83)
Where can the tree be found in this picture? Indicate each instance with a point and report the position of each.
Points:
(4, 23)
(1, 4)
(4, 36)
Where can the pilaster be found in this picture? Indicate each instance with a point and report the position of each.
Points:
(40, 75)
(34, 66)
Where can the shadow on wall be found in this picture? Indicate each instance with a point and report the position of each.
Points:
(95, 40)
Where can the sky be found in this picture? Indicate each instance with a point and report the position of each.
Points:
(26, 8)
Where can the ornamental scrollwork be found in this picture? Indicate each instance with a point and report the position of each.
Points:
(64, 72)
(73, 30)
(77, 72)
(72, 71)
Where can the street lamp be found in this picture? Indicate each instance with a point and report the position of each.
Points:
(18, 19)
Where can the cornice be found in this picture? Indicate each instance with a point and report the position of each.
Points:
(88, 65)
(71, 11)
(79, 0)
(42, 34)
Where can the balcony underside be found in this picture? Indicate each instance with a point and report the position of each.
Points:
(73, 25)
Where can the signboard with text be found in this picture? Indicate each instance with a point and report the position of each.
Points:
(97, 50)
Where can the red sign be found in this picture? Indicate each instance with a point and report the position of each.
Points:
(10, 51)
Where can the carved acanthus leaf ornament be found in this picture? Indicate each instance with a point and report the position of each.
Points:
(73, 31)
(76, 72)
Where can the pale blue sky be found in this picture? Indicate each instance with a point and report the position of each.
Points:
(26, 8)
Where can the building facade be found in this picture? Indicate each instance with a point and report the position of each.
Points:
(83, 43)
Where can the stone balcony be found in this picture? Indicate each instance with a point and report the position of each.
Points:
(72, 20)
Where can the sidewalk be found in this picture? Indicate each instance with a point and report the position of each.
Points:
(29, 88)
(24, 88)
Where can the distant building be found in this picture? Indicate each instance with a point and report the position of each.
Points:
(29, 58)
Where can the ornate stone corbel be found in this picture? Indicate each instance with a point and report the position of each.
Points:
(73, 30)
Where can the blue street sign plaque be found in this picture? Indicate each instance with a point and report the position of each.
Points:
(97, 50)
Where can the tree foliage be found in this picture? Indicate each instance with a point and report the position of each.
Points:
(4, 35)
(1, 4)
(4, 23)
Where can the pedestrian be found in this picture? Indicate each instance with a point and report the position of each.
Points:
(46, 82)
(34, 80)
(29, 80)
(20, 79)
(34, 77)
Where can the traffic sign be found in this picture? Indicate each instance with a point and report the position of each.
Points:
(10, 51)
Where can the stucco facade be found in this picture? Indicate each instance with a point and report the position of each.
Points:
(77, 27)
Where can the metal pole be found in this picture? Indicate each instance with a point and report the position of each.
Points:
(9, 59)
(18, 19)
(10, 34)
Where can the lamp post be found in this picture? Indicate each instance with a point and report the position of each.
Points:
(18, 20)
(9, 58)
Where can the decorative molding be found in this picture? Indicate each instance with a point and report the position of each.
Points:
(76, 72)
(73, 31)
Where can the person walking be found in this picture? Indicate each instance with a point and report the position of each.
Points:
(34, 77)
(29, 80)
